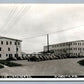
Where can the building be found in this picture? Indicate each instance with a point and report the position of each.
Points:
(33, 54)
(9, 47)
(24, 55)
(72, 48)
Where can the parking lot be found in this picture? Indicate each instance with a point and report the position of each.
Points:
(50, 67)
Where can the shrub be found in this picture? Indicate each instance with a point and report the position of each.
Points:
(9, 59)
(8, 63)
(81, 62)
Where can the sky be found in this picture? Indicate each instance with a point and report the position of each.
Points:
(31, 22)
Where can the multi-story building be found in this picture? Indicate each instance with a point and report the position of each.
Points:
(9, 47)
(72, 48)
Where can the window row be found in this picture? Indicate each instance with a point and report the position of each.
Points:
(10, 55)
(69, 49)
(8, 49)
(75, 54)
(10, 43)
(67, 44)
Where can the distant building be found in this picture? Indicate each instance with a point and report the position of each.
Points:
(9, 47)
(33, 54)
(23, 55)
(72, 48)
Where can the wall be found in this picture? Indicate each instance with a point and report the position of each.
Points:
(4, 48)
(68, 49)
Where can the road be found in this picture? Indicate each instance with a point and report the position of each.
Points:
(51, 67)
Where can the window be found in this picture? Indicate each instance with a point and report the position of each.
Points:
(18, 43)
(75, 48)
(10, 42)
(16, 55)
(6, 54)
(63, 44)
(79, 48)
(17, 49)
(2, 42)
(8, 49)
(0, 55)
(57, 45)
(15, 43)
(53, 46)
(79, 43)
(74, 53)
(75, 43)
(70, 48)
(71, 43)
(0, 48)
(60, 45)
(6, 42)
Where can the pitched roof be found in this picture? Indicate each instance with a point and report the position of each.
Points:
(1, 37)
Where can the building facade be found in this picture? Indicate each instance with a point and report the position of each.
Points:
(72, 48)
(9, 48)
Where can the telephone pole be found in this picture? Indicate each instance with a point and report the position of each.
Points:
(16, 48)
(47, 42)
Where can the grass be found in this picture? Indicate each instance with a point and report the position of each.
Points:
(81, 62)
(8, 63)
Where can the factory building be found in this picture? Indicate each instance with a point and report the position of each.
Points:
(72, 48)
(9, 47)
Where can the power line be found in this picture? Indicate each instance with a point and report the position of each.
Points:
(15, 13)
(53, 32)
(18, 17)
(10, 19)
(12, 11)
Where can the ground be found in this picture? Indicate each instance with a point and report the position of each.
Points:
(50, 67)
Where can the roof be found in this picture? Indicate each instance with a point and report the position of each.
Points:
(66, 42)
(10, 38)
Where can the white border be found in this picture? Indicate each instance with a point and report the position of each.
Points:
(38, 79)
(42, 79)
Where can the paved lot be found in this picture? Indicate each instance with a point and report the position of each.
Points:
(52, 67)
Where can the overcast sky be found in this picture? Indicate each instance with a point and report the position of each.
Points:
(28, 22)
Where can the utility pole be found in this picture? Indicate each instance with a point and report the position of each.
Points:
(16, 48)
(47, 42)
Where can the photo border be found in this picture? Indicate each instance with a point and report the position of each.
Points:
(50, 2)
